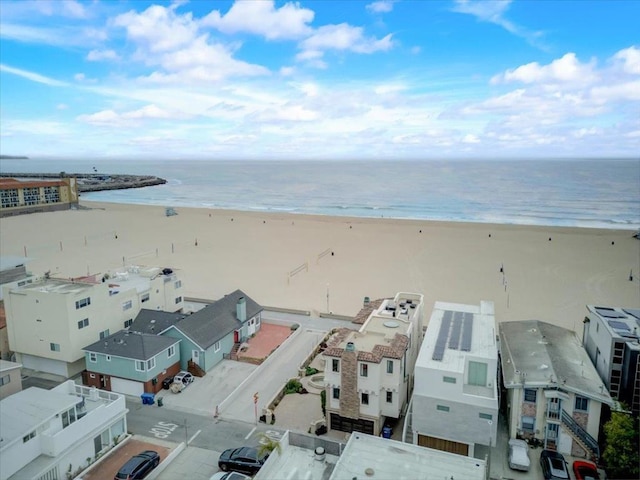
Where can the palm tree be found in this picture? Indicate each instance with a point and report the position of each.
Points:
(268, 445)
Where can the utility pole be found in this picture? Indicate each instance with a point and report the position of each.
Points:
(327, 298)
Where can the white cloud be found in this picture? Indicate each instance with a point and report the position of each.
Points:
(34, 77)
(111, 118)
(342, 37)
(493, 11)
(99, 55)
(567, 69)
(158, 29)
(630, 58)
(290, 21)
(381, 6)
(62, 106)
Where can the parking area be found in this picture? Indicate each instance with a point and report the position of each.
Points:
(193, 464)
(107, 468)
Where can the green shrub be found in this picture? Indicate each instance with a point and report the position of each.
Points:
(292, 386)
(323, 402)
(294, 327)
(310, 371)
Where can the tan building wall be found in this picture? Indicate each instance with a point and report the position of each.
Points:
(18, 197)
(10, 378)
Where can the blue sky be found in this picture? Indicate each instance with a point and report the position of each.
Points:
(320, 79)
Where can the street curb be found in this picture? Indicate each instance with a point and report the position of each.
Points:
(165, 463)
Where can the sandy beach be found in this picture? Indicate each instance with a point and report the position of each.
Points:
(322, 264)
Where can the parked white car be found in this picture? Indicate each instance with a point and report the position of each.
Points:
(519, 455)
(181, 381)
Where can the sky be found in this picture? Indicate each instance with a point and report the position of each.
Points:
(264, 79)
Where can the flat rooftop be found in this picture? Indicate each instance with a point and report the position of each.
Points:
(620, 322)
(456, 331)
(366, 456)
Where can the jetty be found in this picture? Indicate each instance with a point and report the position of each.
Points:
(95, 182)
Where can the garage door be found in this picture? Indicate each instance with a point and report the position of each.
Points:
(344, 424)
(127, 387)
(41, 364)
(444, 445)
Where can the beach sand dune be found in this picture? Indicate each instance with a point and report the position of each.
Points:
(322, 264)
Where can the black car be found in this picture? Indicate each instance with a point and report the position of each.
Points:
(166, 383)
(554, 466)
(243, 459)
(139, 466)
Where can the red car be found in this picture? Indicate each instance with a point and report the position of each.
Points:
(585, 470)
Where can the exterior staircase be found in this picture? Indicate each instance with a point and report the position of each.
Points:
(234, 351)
(580, 435)
(195, 369)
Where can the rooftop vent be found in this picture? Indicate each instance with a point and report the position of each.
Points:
(351, 347)
(319, 454)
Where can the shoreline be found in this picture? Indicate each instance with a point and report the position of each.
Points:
(325, 264)
(356, 219)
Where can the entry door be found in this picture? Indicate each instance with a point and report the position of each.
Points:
(195, 356)
(236, 336)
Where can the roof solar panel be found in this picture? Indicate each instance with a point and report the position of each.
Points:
(443, 334)
(617, 325)
(467, 332)
(454, 339)
(633, 312)
(609, 313)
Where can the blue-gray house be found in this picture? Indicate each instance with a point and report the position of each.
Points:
(206, 335)
(131, 362)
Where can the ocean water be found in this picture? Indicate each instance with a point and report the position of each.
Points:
(583, 193)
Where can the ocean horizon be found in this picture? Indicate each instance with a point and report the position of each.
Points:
(585, 193)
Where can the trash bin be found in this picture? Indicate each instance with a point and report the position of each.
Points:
(160, 402)
(147, 398)
(386, 432)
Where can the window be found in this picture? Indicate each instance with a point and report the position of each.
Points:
(107, 358)
(93, 357)
(364, 370)
(5, 380)
(85, 302)
(528, 424)
(151, 363)
(127, 305)
(9, 197)
(442, 408)
(335, 365)
(449, 379)
(477, 374)
(216, 346)
(104, 334)
(127, 323)
(139, 366)
(336, 393)
(55, 347)
(389, 397)
(389, 366)
(178, 299)
(31, 195)
(530, 395)
(365, 399)
(178, 284)
(83, 323)
(171, 351)
(28, 437)
(485, 416)
(68, 417)
(582, 404)
(144, 298)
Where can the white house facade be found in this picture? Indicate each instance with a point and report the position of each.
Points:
(50, 321)
(368, 372)
(45, 434)
(554, 394)
(455, 398)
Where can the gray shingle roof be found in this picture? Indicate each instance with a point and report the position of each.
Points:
(215, 321)
(540, 354)
(139, 346)
(154, 321)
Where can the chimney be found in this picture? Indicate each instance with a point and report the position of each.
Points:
(241, 309)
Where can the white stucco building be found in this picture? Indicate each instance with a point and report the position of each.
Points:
(46, 433)
(50, 320)
(368, 372)
(455, 397)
